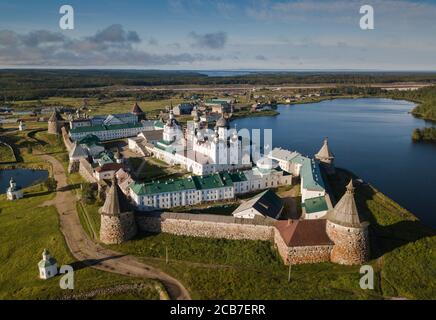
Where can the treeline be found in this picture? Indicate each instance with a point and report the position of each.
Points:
(41, 84)
(426, 99)
(425, 135)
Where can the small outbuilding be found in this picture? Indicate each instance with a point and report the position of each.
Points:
(48, 266)
(14, 192)
(21, 126)
(266, 204)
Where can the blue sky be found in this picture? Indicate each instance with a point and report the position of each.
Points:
(219, 34)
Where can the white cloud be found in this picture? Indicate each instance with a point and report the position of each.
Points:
(108, 47)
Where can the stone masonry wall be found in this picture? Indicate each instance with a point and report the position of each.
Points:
(67, 142)
(312, 254)
(86, 171)
(301, 255)
(206, 226)
(351, 244)
(53, 127)
(281, 246)
(117, 229)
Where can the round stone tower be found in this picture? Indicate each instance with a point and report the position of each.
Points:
(137, 111)
(117, 220)
(54, 123)
(326, 157)
(348, 232)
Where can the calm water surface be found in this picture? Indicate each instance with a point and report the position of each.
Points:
(371, 137)
(23, 177)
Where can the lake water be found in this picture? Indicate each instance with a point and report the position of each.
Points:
(371, 137)
(23, 177)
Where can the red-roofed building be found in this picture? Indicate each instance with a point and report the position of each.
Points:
(303, 241)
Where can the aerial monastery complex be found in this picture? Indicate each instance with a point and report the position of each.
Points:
(218, 166)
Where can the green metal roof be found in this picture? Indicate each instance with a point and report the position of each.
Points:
(159, 124)
(163, 187)
(237, 176)
(218, 180)
(311, 174)
(315, 205)
(90, 140)
(298, 159)
(106, 128)
(105, 157)
(165, 146)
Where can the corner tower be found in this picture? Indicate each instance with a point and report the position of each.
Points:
(117, 220)
(326, 157)
(347, 231)
(137, 111)
(54, 123)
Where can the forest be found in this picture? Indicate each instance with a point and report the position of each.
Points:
(17, 84)
(424, 135)
(426, 99)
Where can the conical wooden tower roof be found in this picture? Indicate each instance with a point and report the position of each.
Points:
(345, 212)
(324, 152)
(115, 202)
(136, 109)
(55, 116)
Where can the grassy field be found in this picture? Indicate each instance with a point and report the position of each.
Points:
(26, 228)
(403, 257)
(6, 154)
(403, 251)
(115, 105)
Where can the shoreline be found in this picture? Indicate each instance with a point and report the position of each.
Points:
(370, 97)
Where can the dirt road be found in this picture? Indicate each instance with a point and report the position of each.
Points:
(90, 253)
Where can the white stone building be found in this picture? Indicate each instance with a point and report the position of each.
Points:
(21, 126)
(209, 188)
(200, 151)
(108, 132)
(48, 267)
(14, 192)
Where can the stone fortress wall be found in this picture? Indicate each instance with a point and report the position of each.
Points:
(301, 255)
(67, 141)
(86, 171)
(116, 229)
(226, 227)
(351, 244)
(207, 226)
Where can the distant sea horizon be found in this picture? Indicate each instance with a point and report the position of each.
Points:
(242, 71)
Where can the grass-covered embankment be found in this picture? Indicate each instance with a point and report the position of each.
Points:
(402, 257)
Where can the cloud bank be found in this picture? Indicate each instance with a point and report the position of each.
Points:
(112, 46)
(216, 40)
